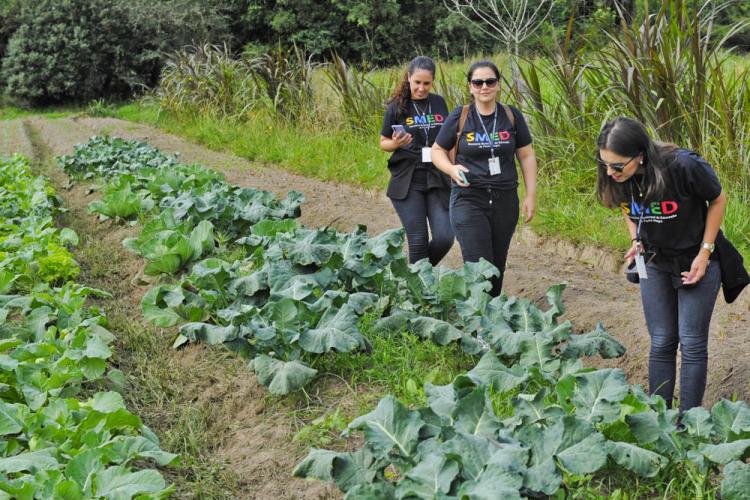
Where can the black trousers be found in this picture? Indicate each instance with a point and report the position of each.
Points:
(484, 221)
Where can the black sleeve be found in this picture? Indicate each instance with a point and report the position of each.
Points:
(701, 178)
(523, 136)
(446, 138)
(388, 120)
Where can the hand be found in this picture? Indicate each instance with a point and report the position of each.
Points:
(697, 270)
(630, 254)
(401, 140)
(529, 208)
(457, 178)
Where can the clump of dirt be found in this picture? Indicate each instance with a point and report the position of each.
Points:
(257, 440)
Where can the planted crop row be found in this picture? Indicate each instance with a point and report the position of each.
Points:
(299, 293)
(525, 421)
(60, 439)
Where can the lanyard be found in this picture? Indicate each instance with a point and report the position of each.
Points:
(428, 109)
(490, 138)
(640, 216)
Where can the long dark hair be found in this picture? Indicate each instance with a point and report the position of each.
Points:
(402, 95)
(628, 137)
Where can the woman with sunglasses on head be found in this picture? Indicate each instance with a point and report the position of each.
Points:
(673, 205)
(418, 191)
(488, 137)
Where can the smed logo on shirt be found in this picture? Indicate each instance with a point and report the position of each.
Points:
(502, 137)
(658, 211)
(423, 121)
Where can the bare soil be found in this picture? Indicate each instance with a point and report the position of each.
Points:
(257, 444)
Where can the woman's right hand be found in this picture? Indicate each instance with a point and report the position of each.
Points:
(401, 140)
(457, 177)
(635, 248)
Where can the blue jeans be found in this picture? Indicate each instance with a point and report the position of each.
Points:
(484, 221)
(679, 317)
(420, 207)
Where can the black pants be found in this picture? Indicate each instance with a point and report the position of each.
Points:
(420, 207)
(484, 221)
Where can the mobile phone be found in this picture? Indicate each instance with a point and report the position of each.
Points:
(398, 129)
(463, 176)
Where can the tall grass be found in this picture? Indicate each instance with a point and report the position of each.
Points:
(667, 70)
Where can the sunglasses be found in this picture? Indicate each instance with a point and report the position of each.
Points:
(490, 82)
(617, 167)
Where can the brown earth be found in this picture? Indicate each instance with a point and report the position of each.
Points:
(258, 441)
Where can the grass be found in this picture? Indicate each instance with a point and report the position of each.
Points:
(334, 155)
(12, 112)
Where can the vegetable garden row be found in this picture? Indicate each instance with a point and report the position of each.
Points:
(528, 419)
(60, 438)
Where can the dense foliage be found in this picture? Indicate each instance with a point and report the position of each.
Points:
(528, 419)
(77, 50)
(60, 438)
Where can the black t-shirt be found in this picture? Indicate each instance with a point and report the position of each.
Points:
(474, 146)
(423, 120)
(676, 222)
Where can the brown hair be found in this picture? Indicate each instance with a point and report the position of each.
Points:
(402, 94)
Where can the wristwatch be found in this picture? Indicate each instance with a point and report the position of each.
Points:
(709, 246)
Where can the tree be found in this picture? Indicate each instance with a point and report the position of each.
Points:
(509, 21)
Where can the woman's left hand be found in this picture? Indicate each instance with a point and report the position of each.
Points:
(697, 270)
(529, 208)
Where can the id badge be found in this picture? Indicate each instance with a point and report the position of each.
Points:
(640, 266)
(426, 155)
(494, 166)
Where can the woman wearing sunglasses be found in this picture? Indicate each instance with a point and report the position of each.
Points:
(488, 137)
(673, 206)
(418, 191)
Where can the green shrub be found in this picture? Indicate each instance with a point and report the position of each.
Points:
(77, 50)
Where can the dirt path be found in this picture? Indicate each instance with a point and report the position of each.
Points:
(595, 292)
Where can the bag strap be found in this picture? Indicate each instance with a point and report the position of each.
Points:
(510, 115)
(459, 131)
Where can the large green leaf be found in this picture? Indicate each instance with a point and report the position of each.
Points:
(731, 419)
(734, 486)
(643, 462)
(29, 461)
(595, 342)
(208, 333)
(117, 483)
(494, 482)
(474, 414)
(726, 452)
(536, 351)
(443, 398)
(491, 371)
(10, 419)
(429, 479)
(598, 394)
(698, 423)
(440, 332)
(390, 426)
(571, 442)
(532, 408)
(336, 331)
(471, 451)
(281, 377)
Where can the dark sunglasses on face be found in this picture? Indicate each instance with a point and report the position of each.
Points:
(478, 83)
(617, 167)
